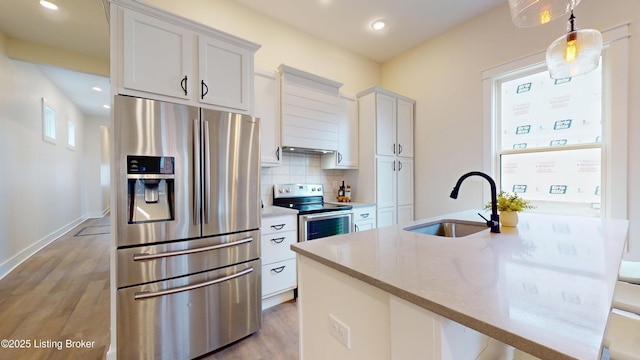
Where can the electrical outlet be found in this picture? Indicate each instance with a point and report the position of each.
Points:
(340, 331)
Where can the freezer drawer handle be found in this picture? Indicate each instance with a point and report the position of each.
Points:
(143, 257)
(278, 227)
(147, 295)
(278, 240)
(278, 270)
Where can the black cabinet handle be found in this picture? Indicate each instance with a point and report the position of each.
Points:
(278, 153)
(399, 165)
(339, 157)
(356, 227)
(204, 89)
(278, 240)
(183, 85)
(278, 227)
(364, 216)
(278, 270)
(394, 166)
(399, 149)
(394, 148)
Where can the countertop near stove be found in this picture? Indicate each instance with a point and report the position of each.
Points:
(544, 287)
(277, 210)
(355, 204)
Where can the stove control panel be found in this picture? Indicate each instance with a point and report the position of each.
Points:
(297, 190)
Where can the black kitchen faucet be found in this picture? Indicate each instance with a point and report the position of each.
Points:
(494, 223)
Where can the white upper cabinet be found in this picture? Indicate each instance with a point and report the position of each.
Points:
(347, 155)
(267, 109)
(225, 73)
(309, 108)
(385, 125)
(161, 56)
(157, 56)
(404, 127)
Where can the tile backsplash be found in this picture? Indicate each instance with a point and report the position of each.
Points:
(299, 169)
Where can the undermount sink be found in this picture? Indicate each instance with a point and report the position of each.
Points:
(448, 228)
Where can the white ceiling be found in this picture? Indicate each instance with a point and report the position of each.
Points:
(81, 26)
(348, 22)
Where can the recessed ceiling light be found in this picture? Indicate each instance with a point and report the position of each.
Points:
(95, 88)
(106, 106)
(48, 5)
(378, 25)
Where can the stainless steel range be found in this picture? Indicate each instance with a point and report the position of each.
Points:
(316, 219)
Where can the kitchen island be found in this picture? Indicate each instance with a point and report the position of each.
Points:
(544, 287)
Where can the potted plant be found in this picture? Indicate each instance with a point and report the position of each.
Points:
(509, 205)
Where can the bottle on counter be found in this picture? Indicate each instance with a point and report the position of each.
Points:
(347, 192)
(341, 190)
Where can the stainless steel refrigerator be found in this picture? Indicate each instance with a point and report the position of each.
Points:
(187, 228)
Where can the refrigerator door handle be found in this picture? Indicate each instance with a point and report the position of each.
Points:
(145, 256)
(146, 294)
(207, 172)
(197, 196)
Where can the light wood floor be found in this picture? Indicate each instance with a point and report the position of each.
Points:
(62, 293)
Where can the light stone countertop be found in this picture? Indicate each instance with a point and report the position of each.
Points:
(355, 204)
(544, 287)
(277, 210)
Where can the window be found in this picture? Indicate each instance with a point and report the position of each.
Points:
(567, 153)
(71, 135)
(549, 139)
(48, 123)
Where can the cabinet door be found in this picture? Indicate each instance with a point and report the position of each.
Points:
(348, 134)
(157, 57)
(266, 108)
(405, 181)
(386, 181)
(405, 128)
(385, 124)
(225, 74)
(386, 216)
(405, 214)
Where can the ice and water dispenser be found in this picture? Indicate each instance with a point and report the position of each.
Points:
(150, 190)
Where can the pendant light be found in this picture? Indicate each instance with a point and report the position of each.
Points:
(575, 53)
(527, 13)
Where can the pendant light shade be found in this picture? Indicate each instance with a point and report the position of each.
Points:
(575, 53)
(527, 13)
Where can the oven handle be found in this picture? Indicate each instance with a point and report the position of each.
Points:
(146, 294)
(327, 215)
(143, 257)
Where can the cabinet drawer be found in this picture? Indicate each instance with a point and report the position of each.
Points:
(363, 225)
(278, 224)
(364, 213)
(277, 246)
(278, 277)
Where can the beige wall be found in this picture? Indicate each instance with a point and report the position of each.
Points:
(280, 43)
(444, 76)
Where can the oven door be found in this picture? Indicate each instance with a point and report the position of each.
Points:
(315, 226)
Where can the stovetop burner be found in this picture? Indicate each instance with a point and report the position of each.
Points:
(306, 198)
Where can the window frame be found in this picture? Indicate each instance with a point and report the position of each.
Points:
(615, 70)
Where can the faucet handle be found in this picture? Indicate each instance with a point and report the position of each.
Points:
(494, 224)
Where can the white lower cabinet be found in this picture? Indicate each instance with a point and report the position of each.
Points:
(364, 218)
(278, 261)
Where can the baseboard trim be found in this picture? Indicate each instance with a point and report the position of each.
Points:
(10, 264)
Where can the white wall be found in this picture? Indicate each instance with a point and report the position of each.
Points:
(96, 163)
(40, 183)
(444, 76)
